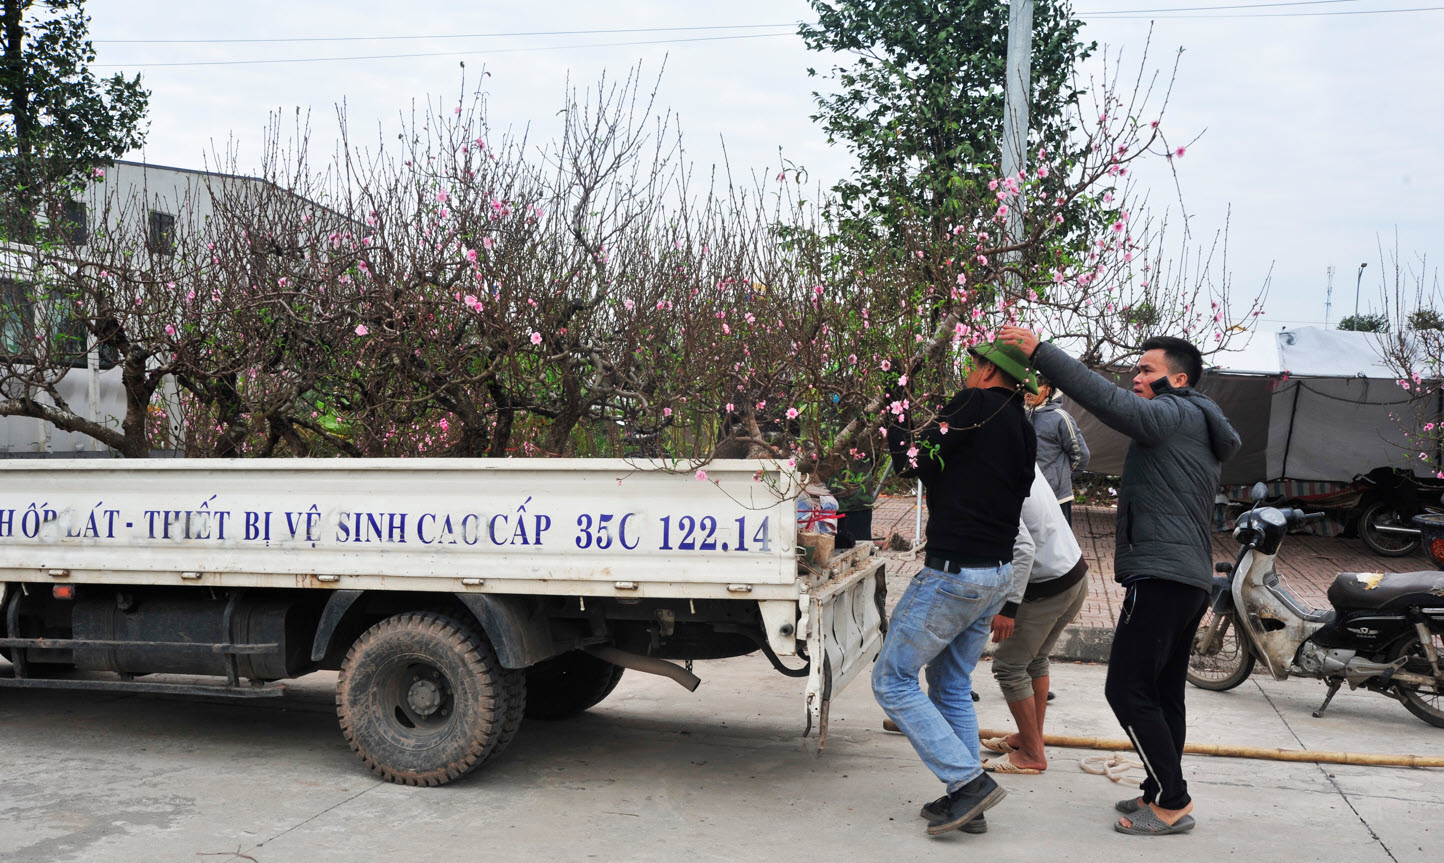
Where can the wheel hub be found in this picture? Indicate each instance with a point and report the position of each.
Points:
(424, 697)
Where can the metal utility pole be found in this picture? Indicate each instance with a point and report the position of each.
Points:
(1018, 90)
(1329, 297)
(1357, 280)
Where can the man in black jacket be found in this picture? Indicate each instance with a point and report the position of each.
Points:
(1163, 554)
(976, 461)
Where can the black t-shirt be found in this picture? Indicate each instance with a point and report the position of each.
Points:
(976, 463)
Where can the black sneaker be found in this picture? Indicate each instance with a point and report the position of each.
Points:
(966, 804)
(938, 808)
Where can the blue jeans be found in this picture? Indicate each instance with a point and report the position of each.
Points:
(942, 621)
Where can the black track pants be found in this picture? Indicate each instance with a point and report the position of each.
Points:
(1146, 679)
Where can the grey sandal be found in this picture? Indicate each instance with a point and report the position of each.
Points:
(1145, 823)
(1129, 806)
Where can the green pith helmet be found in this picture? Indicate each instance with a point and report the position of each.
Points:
(1009, 358)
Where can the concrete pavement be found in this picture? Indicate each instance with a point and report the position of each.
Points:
(656, 773)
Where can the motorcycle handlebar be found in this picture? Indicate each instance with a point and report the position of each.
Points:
(1298, 516)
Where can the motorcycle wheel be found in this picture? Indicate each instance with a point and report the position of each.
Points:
(1425, 702)
(1225, 668)
(1380, 514)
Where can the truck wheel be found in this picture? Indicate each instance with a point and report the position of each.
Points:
(423, 700)
(568, 684)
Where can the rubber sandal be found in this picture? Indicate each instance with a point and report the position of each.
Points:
(1146, 823)
(1006, 765)
(997, 744)
(1129, 806)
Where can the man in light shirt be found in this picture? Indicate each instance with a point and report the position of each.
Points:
(1048, 589)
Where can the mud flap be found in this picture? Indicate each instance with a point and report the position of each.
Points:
(845, 626)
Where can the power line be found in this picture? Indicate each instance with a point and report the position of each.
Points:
(454, 35)
(1218, 8)
(1116, 14)
(439, 53)
(1119, 16)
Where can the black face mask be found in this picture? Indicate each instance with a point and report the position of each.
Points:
(1160, 384)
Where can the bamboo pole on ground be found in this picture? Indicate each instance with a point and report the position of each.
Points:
(1225, 751)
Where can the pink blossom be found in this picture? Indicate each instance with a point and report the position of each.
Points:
(792, 413)
(942, 428)
(886, 365)
(903, 380)
(361, 330)
(730, 407)
(1179, 152)
(701, 475)
(98, 173)
(762, 404)
(1042, 170)
(441, 196)
(912, 452)
(169, 330)
(536, 338)
(666, 412)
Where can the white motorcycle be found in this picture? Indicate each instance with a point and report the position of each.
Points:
(1384, 631)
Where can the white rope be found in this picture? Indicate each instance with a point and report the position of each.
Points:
(1114, 766)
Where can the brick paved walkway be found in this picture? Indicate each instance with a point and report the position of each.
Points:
(1306, 563)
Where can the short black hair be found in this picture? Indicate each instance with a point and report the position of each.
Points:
(1181, 356)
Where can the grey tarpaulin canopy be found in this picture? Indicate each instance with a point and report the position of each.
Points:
(1309, 403)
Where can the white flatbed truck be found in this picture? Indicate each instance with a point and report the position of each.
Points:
(454, 596)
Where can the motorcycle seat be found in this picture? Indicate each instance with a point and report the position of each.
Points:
(1376, 591)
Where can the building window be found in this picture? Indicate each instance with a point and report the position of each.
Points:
(161, 237)
(44, 328)
(17, 315)
(73, 222)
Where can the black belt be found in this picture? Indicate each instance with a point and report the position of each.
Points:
(1044, 589)
(955, 563)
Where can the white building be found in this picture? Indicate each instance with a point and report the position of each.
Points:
(166, 198)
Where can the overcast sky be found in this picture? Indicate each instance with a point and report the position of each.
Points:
(1321, 131)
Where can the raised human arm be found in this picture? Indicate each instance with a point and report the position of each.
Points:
(1148, 421)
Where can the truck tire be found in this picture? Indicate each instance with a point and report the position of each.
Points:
(423, 700)
(566, 685)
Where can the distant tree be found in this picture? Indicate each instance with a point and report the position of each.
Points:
(921, 107)
(1373, 323)
(57, 120)
(1426, 319)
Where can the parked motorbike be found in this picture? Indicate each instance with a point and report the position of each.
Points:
(1391, 498)
(1384, 631)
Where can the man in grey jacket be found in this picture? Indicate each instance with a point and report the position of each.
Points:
(1163, 554)
(1061, 447)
